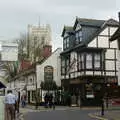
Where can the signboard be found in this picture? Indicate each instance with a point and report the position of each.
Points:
(9, 52)
(89, 90)
(48, 73)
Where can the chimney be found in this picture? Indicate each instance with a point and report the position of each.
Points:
(47, 51)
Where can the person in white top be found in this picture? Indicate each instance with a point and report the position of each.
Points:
(10, 100)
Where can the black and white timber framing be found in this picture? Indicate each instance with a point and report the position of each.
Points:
(89, 59)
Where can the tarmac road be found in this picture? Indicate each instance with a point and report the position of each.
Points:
(59, 115)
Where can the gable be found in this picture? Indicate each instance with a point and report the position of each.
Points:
(104, 31)
(93, 43)
(78, 27)
(65, 34)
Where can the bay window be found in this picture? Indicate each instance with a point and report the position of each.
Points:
(97, 60)
(88, 61)
(82, 61)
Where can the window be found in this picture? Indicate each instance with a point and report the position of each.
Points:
(89, 90)
(82, 61)
(78, 36)
(89, 61)
(79, 62)
(63, 66)
(66, 43)
(97, 60)
(67, 65)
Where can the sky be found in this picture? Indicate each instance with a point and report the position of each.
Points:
(15, 15)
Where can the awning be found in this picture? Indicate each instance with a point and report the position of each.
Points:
(2, 85)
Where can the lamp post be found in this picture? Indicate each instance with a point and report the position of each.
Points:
(102, 100)
(107, 97)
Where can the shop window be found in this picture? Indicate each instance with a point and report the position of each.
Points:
(89, 90)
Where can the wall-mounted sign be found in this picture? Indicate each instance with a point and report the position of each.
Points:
(48, 73)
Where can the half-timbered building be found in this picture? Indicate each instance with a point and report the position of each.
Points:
(89, 58)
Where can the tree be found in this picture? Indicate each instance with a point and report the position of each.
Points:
(48, 85)
(10, 69)
(22, 46)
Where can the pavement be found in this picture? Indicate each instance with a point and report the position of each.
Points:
(109, 114)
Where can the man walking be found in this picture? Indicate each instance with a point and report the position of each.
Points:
(10, 100)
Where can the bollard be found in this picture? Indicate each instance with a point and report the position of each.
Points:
(102, 107)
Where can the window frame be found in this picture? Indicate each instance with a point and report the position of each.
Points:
(89, 61)
(78, 36)
(97, 60)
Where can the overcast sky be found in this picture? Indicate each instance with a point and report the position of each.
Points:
(15, 15)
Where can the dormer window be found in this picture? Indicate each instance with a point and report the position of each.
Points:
(78, 36)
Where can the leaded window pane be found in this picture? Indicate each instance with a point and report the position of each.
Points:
(89, 61)
(97, 60)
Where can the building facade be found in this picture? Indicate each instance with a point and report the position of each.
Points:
(89, 61)
(38, 37)
(29, 80)
(49, 70)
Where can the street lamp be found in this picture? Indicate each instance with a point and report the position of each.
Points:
(108, 85)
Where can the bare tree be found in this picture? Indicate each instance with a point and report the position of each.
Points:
(22, 46)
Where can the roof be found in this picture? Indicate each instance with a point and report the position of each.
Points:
(116, 35)
(68, 29)
(2, 85)
(110, 22)
(89, 22)
(49, 56)
(100, 25)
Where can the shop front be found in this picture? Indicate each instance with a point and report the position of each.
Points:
(88, 92)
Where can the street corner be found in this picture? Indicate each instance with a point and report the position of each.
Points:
(20, 116)
(96, 116)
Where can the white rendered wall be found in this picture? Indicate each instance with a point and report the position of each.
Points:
(54, 61)
(110, 65)
(103, 42)
(110, 54)
(93, 43)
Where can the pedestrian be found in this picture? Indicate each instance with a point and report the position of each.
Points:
(17, 103)
(23, 100)
(46, 100)
(50, 100)
(53, 102)
(10, 100)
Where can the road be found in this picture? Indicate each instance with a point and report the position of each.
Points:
(59, 115)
